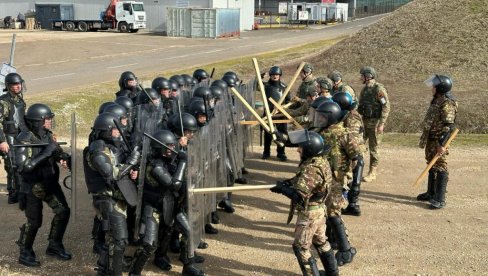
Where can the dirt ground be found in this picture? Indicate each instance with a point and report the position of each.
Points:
(396, 235)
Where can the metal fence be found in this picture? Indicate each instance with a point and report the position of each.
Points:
(365, 8)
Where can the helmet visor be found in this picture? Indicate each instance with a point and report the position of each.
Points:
(298, 136)
(320, 120)
(432, 81)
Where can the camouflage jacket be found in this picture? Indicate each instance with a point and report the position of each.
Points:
(374, 104)
(440, 117)
(344, 88)
(312, 181)
(308, 85)
(12, 111)
(343, 149)
(354, 125)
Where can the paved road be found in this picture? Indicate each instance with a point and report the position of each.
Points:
(68, 60)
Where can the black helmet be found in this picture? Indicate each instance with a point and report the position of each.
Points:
(118, 110)
(344, 100)
(314, 146)
(307, 68)
(125, 77)
(104, 122)
(318, 101)
(174, 85)
(335, 76)
(200, 75)
(197, 107)
(232, 74)
(160, 83)
(13, 78)
(442, 84)
(102, 107)
(203, 92)
(231, 81)
(152, 93)
(188, 79)
(220, 83)
(368, 72)
(217, 92)
(189, 123)
(125, 102)
(179, 79)
(327, 114)
(166, 137)
(38, 112)
(275, 70)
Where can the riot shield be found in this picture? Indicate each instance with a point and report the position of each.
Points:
(73, 168)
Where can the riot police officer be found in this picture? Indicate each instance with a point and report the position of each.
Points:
(40, 175)
(129, 86)
(109, 172)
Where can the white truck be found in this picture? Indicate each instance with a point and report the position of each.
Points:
(125, 16)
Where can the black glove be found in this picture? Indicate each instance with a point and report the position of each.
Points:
(263, 74)
(278, 188)
(182, 156)
(134, 157)
(66, 157)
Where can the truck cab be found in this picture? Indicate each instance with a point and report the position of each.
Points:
(130, 16)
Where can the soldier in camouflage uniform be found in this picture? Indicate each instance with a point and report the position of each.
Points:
(339, 85)
(439, 122)
(343, 150)
(308, 81)
(324, 86)
(308, 190)
(374, 107)
(12, 109)
(300, 109)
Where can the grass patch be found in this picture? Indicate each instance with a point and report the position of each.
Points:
(85, 101)
(412, 140)
(478, 6)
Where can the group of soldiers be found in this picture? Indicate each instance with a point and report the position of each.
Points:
(144, 134)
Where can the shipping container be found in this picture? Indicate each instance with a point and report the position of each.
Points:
(45, 13)
(202, 23)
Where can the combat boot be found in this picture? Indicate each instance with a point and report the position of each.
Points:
(329, 262)
(345, 253)
(430, 188)
(209, 229)
(352, 209)
(189, 268)
(214, 218)
(161, 258)
(226, 204)
(371, 175)
(26, 240)
(439, 199)
(12, 197)
(57, 250)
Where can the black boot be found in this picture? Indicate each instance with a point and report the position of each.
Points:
(226, 204)
(189, 268)
(330, 235)
(345, 252)
(57, 250)
(26, 240)
(197, 258)
(329, 262)
(12, 197)
(430, 188)
(209, 229)
(140, 258)
(439, 199)
(352, 209)
(161, 258)
(98, 235)
(241, 180)
(202, 245)
(174, 244)
(102, 263)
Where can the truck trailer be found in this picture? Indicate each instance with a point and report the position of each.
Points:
(125, 16)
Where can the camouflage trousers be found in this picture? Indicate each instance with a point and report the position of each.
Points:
(431, 151)
(310, 229)
(372, 139)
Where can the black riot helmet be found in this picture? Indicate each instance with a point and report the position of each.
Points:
(13, 78)
(203, 92)
(118, 110)
(275, 70)
(318, 101)
(160, 83)
(124, 78)
(200, 75)
(344, 100)
(188, 79)
(217, 92)
(173, 85)
(442, 84)
(196, 108)
(314, 146)
(220, 83)
(189, 123)
(166, 137)
(125, 102)
(232, 74)
(155, 96)
(103, 125)
(327, 114)
(35, 116)
(102, 106)
(179, 79)
(231, 81)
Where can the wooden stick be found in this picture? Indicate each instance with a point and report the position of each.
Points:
(248, 106)
(265, 103)
(288, 88)
(276, 111)
(432, 162)
(231, 189)
(257, 123)
(282, 110)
